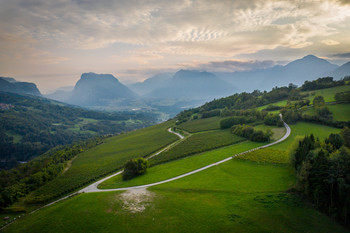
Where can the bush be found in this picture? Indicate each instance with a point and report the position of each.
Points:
(250, 133)
(273, 119)
(135, 167)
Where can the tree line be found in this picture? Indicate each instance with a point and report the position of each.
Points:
(323, 173)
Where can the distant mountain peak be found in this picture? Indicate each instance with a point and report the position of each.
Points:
(98, 89)
(310, 56)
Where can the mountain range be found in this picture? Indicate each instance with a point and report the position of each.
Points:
(297, 72)
(183, 89)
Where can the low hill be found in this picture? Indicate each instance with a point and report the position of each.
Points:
(30, 126)
(193, 84)
(11, 85)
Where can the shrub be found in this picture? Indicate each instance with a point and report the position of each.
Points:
(135, 167)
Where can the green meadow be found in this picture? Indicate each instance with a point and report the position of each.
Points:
(237, 196)
(205, 124)
(197, 143)
(104, 159)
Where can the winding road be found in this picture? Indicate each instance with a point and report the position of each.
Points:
(93, 187)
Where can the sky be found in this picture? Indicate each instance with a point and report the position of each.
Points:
(52, 42)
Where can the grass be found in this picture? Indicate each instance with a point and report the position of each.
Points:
(179, 167)
(104, 159)
(267, 155)
(197, 143)
(194, 126)
(328, 93)
(302, 129)
(340, 112)
(278, 132)
(279, 103)
(237, 196)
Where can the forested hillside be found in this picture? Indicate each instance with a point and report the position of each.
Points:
(30, 126)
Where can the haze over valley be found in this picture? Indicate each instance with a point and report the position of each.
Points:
(174, 116)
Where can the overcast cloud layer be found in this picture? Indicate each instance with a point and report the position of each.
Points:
(53, 42)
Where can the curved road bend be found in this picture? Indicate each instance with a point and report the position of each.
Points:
(93, 188)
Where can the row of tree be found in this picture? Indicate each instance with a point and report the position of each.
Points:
(323, 173)
(25, 178)
(252, 134)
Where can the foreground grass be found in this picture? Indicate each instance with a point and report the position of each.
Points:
(179, 167)
(197, 143)
(199, 125)
(104, 159)
(237, 196)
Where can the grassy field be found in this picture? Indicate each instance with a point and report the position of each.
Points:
(104, 159)
(279, 103)
(194, 126)
(181, 166)
(328, 93)
(302, 129)
(278, 132)
(197, 143)
(340, 112)
(237, 196)
(267, 155)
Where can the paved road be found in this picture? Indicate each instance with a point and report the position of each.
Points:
(95, 189)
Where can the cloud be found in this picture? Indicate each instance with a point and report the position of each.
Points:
(230, 65)
(330, 42)
(162, 33)
(341, 55)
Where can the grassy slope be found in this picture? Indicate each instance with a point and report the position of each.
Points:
(328, 93)
(109, 157)
(302, 129)
(278, 132)
(341, 112)
(179, 167)
(237, 196)
(201, 124)
(196, 143)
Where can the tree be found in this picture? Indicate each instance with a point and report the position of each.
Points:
(345, 133)
(318, 101)
(135, 167)
(336, 140)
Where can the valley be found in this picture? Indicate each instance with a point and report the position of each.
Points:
(251, 192)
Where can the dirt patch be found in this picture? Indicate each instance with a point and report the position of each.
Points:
(136, 200)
